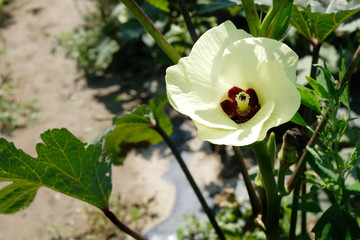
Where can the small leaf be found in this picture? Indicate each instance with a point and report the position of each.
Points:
(160, 4)
(318, 88)
(63, 164)
(157, 105)
(308, 98)
(130, 130)
(355, 155)
(297, 119)
(342, 66)
(345, 96)
(319, 166)
(354, 188)
(135, 129)
(345, 91)
(336, 224)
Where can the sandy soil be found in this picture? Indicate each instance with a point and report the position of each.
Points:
(65, 100)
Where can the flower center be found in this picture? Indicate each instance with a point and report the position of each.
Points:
(242, 100)
(241, 105)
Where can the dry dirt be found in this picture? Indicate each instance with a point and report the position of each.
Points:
(64, 100)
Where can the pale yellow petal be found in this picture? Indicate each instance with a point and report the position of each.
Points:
(246, 133)
(242, 58)
(203, 63)
(193, 84)
(274, 84)
(185, 99)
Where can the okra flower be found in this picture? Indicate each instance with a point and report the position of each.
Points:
(235, 87)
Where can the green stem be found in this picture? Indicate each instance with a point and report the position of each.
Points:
(252, 17)
(190, 179)
(303, 213)
(254, 200)
(294, 212)
(315, 56)
(152, 30)
(122, 226)
(272, 215)
(281, 178)
(188, 22)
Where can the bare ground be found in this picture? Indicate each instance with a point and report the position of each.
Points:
(64, 100)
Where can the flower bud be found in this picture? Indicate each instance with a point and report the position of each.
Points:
(292, 142)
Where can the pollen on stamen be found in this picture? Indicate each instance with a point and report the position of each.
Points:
(241, 105)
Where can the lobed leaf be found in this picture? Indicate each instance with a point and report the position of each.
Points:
(63, 164)
(317, 25)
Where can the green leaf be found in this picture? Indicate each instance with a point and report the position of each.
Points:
(17, 196)
(354, 188)
(336, 224)
(63, 164)
(135, 129)
(328, 79)
(297, 119)
(161, 4)
(317, 25)
(355, 155)
(320, 165)
(309, 207)
(157, 105)
(221, 4)
(357, 170)
(345, 91)
(318, 88)
(308, 98)
(217, 5)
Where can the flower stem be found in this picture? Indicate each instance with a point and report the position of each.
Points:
(254, 200)
(122, 226)
(272, 198)
(190, 179)
(151, 29)
(188, 22)
(252, 17)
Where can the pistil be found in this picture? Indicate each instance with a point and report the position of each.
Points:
(241, 105)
